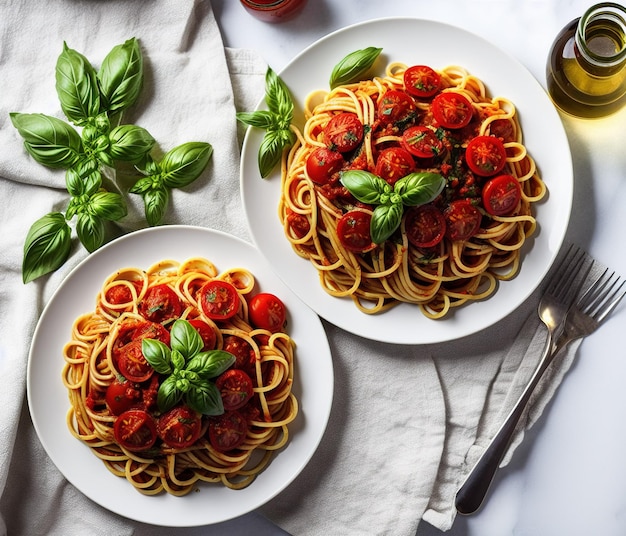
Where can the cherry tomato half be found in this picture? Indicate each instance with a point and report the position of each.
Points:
(235, 387)
(241, 349)
(267, 311)
(180, 427)
(344, 132)
(121, 293)
(422, 81)
(209, 337)
(121, 396)
(485, 155)
(462, 220)
(228, 431)
(425, 226)
(353, 231)
(135, 430)
(132, 364)
(322, 164)
(397, 108)
(452, 110)
(422, 142)
(160, 304)
(393, 164)
(219, 300)
(501, 195)
(298, 223)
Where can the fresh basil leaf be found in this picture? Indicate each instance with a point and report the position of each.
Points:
(385, 220)
(211, 364)
(353, 66)
(168, 394)
(121, 76)
(143, 185)
(107, 205)
(185, 339)
(261, 119)
(84, 178)
(184, 164)
(77, 86)
(48, 140)
(419, 188)
(278, 98)
(90, 231)
(365, 186)
(158, 355)
(47, 246)
(155, 204)
(271, 149)
(178, 361)
(130, 143)
(205, 398)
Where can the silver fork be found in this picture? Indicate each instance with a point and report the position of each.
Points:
(562, 289)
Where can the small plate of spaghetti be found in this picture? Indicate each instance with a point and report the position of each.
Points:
(175, 380)
(423, 201)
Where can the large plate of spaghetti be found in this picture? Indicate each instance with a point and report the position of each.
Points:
(538, 156)
(70, 310)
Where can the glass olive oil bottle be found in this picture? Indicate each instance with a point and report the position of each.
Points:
(586, 70)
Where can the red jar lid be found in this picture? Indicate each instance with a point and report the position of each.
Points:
(273, 10)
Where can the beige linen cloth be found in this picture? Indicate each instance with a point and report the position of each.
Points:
(406, 420)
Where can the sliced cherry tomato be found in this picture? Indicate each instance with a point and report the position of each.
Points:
(501, 195)
(180, 427)
(422, 81)
(397, 108)
(160, 304)
(228, 431)
(462, 220)
(394, 163)
(236, 388)
(132, 364)
(503, 129)
(425, 226)
(120, 293)
(422, 142)
(209, 337)
(452, 110)
(121, 396)
(298, 223)
(135, 430)
(322, 164)
(241, 349)
(344, 132)
(151, 330)
(219, 300)
(353, 231)
(267, 312)
(485, 155)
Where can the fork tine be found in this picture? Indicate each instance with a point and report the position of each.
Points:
(561, 283)
(603, 295)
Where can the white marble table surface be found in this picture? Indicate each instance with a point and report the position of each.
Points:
(569, 475)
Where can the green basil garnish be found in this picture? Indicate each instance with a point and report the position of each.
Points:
(353, 66)
(47, 246)
(414, 189)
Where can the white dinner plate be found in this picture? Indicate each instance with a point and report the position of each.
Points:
(415, 41)
(48, 398)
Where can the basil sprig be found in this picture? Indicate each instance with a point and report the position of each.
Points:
(276, 121)
(189, 370)
(353, 66)
(412, 190)
(92, 101)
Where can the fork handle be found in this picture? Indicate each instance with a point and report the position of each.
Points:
(472, 493)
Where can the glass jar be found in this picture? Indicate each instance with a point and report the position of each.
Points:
(273, 10)
(586, 70)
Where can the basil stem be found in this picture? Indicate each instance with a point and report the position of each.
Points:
(77, 86)
(47, 246)
(353, 66)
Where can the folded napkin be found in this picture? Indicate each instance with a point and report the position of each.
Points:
(407, 421)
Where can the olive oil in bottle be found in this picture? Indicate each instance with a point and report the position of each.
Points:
(586, 70)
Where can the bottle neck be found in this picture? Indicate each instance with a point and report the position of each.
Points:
(601, 38)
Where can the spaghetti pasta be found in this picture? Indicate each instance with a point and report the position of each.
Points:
(436, 275)
(115, 406)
